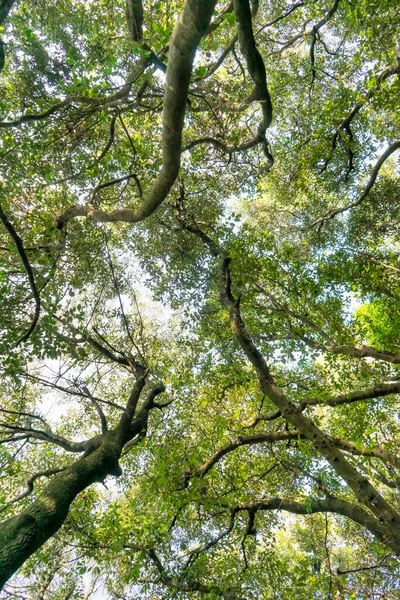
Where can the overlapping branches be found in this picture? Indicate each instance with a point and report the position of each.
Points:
(20, 536)
(346, 123)
(385, 517)
(371, 181)
(192, 25)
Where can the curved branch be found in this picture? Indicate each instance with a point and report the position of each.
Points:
(374, 174)
(50, 437)
(277, 436)
(318, 505)
(29, 485)
(314, 30)
(38, 116)
(243, 440)
(345, 125)
(377, 391)
(220, 19)
(31, 278)
(361, 351)
(214, 67)
(191, 26)
(223, 147)
(255, 63)
(281, 17)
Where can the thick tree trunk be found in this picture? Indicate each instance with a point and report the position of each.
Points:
(22, 535)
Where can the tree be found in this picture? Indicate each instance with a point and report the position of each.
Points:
(199, 201)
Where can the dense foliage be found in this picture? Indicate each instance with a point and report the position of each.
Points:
(199, 270)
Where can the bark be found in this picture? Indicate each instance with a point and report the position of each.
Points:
(365, 493)
(318, 505)
(192, 25)
(22, 535)
(255, 63)
(134, 18)
(369, 497)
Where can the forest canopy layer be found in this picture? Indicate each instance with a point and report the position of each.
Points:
(200, 299)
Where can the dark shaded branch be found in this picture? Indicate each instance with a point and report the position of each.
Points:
(113, 182)
(374, 174)
(251, 143)
(47, 113)
(255, 63)
(345, 125)
(283, 16)
(243, 440)
(104, 351)
(23, 414)
(13, 438)
(71, 392)
(368, 568)
(269, 417)
(215, 66)
(27, 266)
(5, 7)
(314, 29)
(102, 417)
(315, 35)
(134, 18)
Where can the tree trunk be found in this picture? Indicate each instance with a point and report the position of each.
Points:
(22, 535)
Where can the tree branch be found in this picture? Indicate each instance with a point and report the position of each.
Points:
(29, 485)
(361, 351)
(27, 266)
(192, 25)
(374, 174)
(363, 490)
(377, 391)
(134, 18)
(317, 505)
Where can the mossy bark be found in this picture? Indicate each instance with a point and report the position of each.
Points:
(22, 535)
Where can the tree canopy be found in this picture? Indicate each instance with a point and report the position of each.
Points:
(200, 317)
